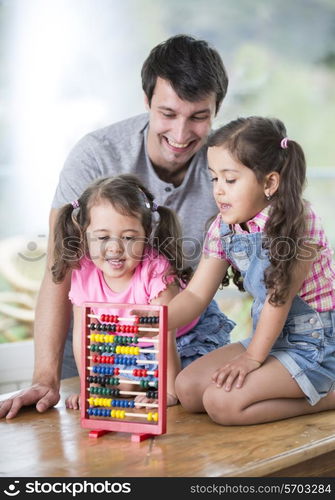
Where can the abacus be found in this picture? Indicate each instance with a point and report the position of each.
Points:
(114, 338)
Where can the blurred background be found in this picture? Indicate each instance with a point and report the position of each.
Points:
(70, 66)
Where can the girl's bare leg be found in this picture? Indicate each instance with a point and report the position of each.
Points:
(193, 380)
(268, 394)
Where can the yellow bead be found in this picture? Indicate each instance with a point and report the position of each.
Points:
(137, 351)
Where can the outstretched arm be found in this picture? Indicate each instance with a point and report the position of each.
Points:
(173, 360)
(52, 319)
(192, 301)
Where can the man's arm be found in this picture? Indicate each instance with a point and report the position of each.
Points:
(52, 319)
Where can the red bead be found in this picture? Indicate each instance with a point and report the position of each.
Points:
(137, 320)
(156, 373)
(103, 317)
(116, 371)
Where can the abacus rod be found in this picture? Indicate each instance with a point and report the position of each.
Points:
(129, 353)
(140, 329)
(146, 361)
(125, 371)
(149, 405)
(130, 371)
(142, 415)
(139, 339)
(132, 393)
(97, 316)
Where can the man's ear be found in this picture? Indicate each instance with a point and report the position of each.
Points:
(271, 183)
(146, 101)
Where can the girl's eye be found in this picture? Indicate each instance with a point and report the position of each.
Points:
(128, 238)
(103, 238)
(230, 181)
(214, 179)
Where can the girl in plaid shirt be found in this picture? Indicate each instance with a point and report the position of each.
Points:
(269, 241)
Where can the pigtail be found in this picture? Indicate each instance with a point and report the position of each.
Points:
(287, 223)
(164, 234)
(167, 240)
(69, 243)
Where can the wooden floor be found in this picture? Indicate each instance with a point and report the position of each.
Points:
(54, 444)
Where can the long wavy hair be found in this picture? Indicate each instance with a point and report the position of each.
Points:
(255, 142)
(129, 197)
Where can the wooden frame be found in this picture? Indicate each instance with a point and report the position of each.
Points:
(100, 425)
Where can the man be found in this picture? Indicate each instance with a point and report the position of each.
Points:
(184, 83)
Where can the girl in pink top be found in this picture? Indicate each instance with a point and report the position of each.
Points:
(123, 248)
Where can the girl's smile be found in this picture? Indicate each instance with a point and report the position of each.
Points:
(116, 244)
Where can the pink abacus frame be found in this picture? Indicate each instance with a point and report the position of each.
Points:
(101, 425)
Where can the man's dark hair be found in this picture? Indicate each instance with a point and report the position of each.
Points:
(191, 66)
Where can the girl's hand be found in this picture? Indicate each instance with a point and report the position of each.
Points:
(73, 402)
(237, 369)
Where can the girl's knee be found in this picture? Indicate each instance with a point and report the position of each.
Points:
(187, 390)
(222, 407)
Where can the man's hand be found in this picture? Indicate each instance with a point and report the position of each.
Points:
(42, 395)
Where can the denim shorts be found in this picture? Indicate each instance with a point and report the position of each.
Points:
(306, 347)
(211, 332)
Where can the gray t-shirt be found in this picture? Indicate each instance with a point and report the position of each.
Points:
(121, 148)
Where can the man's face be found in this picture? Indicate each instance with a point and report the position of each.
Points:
(177, 128)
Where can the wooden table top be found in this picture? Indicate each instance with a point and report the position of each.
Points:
(53, 444)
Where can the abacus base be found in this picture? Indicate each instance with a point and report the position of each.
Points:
(136, 438)
(97, 433)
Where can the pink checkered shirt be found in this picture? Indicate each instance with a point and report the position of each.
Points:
(318, 289)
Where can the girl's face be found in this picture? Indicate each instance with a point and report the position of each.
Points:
(116, 244)
(237, 192)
